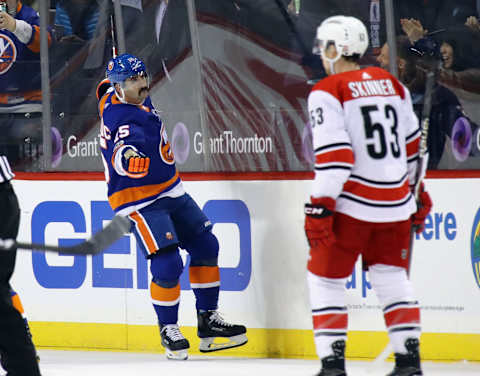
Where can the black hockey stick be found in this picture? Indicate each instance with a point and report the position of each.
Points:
(114, 38)
(307, 52)
(420, 172)
(292, 27)
(96, 244)
(422, 151)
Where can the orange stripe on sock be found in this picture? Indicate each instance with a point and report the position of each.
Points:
(145, 233)
(204, 274)
(17, 303)
(163, 294)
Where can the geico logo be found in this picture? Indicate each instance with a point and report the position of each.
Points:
(438, 226)
(48, 213)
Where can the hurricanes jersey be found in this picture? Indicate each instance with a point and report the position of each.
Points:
(140, 127)
(365, 138)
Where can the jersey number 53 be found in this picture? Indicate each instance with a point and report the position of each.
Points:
(316, 117)
(381, 138)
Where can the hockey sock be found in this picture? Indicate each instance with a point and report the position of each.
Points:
(401, 311)
(165, 301)
(205, 282)
(329, 312)
(203, 270)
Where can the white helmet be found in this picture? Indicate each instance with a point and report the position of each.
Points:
(348, 35)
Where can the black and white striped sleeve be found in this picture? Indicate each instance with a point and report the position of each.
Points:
(6, 173)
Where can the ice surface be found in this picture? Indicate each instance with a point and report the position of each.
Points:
(104, 363)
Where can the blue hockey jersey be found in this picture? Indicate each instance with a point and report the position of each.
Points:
(138, 126)
(20, 80)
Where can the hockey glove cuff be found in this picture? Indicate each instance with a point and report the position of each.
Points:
(319, 221)
(424, 205)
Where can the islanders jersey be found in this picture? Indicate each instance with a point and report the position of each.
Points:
(139, 127)
(20, 79)
(366, 139)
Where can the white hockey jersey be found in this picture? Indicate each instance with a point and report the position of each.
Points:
(366, 138)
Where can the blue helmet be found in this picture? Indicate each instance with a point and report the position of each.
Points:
(124, 66)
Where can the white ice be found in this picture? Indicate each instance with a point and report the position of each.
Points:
(104, 363)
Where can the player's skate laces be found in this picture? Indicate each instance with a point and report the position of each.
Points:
(175, 343)
(217, 334)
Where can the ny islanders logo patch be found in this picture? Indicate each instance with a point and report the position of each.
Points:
(475, 248)
(8, 53)
(164, 147)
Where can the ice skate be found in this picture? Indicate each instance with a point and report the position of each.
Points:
(216, 334)
(176, 345)
(408, 364)
(334, 365)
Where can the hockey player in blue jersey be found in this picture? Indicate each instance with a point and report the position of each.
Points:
(144, 184)
(20, 82)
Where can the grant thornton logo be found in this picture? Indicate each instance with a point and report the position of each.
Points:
(475, 247)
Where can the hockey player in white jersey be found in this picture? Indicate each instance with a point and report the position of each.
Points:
(365, 139)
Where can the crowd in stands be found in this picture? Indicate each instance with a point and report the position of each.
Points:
(443, 35)
(438, 35)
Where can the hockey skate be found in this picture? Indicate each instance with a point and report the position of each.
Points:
(176, 345)
(216, 334)
(408, 364)
(334, 365)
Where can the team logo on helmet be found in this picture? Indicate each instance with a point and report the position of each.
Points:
(123, 67)
(8, 53)
(475, 248)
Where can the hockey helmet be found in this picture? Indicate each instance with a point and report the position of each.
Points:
(124, 66)
(348, 35)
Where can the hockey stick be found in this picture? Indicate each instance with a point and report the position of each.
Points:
(114, 39)
(292, 27)
(96, 244)
(303, 46)
(422, 151)
(419, 173)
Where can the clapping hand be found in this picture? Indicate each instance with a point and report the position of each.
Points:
(7, 22)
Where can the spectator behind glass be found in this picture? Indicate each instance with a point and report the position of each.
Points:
(458, 48)
(20, 84)
(446, 108)
(78, 18)
(435, 14)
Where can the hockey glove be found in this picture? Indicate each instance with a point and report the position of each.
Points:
(424, 205)
(135, 162)
(319, 221)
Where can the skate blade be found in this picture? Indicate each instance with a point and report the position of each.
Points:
(221, 343)
(176, 355)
